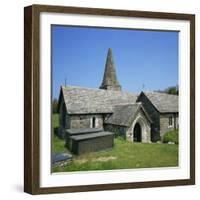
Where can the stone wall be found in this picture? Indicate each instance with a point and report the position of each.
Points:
(67, 121)
(127, 132)
(118, 130)
(61, 109)
(164, 123)
(112, 87)
(154, 115)
(64, 120)
(85, 121)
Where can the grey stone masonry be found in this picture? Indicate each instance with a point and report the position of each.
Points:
(83, 131)
(123, 123)
(160, 108)
(154, 114)
(86, 121)
(144, 123)
(118, 130)
(110, 81)
(165, 126)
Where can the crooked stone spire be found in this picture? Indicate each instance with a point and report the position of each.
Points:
(110, 81)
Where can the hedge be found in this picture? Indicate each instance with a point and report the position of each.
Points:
(171, 136)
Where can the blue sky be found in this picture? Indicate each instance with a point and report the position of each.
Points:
(142, 58)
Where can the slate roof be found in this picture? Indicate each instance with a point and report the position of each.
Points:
(80, 100)
(124, 115)
(164, 103)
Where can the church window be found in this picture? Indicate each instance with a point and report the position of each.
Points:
(93, 122)
(170, 121)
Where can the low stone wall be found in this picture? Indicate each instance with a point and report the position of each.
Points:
(118, 130)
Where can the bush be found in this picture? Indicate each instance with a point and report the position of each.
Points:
(171, 136)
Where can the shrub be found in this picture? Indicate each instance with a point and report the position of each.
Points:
(171, 136)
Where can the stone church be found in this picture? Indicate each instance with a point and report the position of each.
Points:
(86, 114)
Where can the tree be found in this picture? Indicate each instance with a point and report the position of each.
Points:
(172, 90)
(55, 105)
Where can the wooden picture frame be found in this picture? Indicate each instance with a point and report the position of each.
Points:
(32, 98)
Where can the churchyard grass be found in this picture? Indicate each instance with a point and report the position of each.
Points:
(58, 145)
(124, 155)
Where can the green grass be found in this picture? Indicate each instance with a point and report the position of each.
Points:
(124, 155)
(58, 145)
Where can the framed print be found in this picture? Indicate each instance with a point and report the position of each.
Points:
(109, 99)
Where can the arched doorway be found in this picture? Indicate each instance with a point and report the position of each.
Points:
(137, 133)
